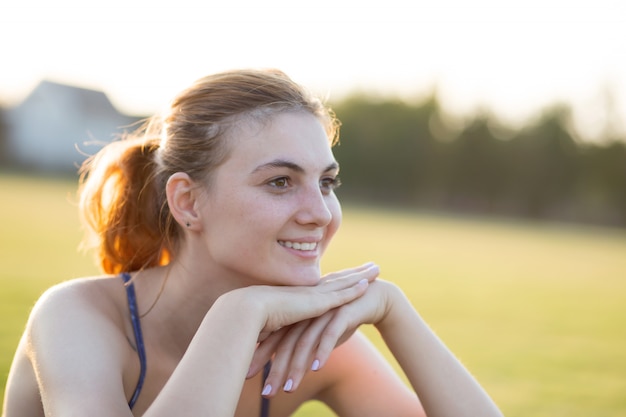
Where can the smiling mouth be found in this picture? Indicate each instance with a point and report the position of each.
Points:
(303, 246)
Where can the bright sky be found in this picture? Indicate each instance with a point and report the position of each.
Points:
(513, 57)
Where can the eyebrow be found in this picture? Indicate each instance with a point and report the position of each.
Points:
(283, 163)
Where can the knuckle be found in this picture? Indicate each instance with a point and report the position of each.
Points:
(302, 343)
(330, 332)
(274, 375)
(284, 349)
(297, 369)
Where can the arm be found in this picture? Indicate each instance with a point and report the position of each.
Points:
(209, 378)
(79, 357)
(365, 385)
(80, 354)
(77, 352)
(21, 397)
(443, 384)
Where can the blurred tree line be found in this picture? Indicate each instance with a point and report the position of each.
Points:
(397, 153)
(393, 152)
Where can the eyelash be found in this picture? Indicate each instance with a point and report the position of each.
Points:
(327, 185)
(330, 183)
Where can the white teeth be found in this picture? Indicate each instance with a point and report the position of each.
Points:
(298, 246)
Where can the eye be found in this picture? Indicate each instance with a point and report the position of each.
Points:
(280, 182)
(329, 184)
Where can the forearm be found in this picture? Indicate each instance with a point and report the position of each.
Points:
(444, 386)
(209, 378)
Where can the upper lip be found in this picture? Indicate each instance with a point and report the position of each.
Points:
(302, 240)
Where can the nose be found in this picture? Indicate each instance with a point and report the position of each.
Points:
(313, 207)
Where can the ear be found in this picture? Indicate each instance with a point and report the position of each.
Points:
(182, 195)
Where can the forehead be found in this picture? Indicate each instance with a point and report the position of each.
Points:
(297, 136)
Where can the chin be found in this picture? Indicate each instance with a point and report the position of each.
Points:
(307, 277)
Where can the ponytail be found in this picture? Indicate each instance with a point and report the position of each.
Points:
(123, 208)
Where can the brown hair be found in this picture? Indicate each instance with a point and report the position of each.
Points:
(123, 204)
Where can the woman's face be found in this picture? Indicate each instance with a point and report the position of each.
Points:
(270, 210)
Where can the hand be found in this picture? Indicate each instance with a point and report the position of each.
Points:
(308, 344)
(283, 306)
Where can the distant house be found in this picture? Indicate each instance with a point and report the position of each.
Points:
(57, 126)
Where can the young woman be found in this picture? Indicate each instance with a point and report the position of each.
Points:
(210, 226)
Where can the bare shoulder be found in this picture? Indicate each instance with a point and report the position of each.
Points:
(97, 292)
(85, 304)
(78, 314)
(77, 343)
(363, 383)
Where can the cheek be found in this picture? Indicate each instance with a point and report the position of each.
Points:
(335, 208)
(257, 217)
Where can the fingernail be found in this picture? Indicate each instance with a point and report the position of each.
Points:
(266, 390)
(288, 385)
(316, 365)
(363, 282)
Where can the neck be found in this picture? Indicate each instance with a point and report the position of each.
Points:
(177, 298)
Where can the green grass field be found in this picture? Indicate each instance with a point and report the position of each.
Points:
(536, 311)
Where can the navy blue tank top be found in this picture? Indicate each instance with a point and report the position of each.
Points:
(141, 350)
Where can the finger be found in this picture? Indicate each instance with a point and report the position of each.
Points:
(338, 294)
(368, 271)
(336, 331)
(305, 350)
(347, 271)
(264, 351)
(276, 378)
(303, 303)
(348, 280)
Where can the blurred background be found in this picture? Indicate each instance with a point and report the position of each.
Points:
(506, 108)
(488, 138)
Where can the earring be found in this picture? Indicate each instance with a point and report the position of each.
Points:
(187, 224)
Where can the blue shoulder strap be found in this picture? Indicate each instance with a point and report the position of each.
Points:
(265, 402)
(134, 317)
(141, 350)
